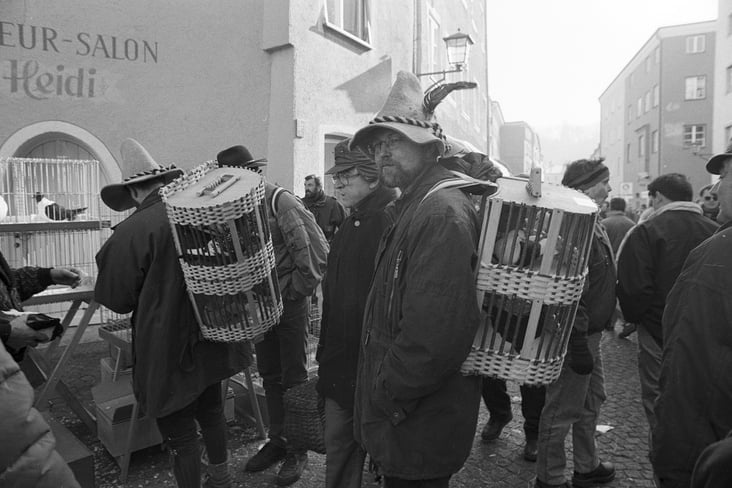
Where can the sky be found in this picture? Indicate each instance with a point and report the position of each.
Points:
(550, 60)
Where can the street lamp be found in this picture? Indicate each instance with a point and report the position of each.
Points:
(458, 46)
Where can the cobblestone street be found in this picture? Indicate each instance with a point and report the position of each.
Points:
(497, 464)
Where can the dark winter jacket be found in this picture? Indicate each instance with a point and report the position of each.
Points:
(414, 412)
(616, 224)
(694, 408)
(16, 286)
(346, 286)
(328, 212)
(139, 272)
(651, 259)
(597, 303)
(299, 245)
(27, 447)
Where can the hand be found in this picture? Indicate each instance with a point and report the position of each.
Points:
(66, 276)
(580, 357)
(23, 336)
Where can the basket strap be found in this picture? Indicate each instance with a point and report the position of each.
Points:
(460, 180)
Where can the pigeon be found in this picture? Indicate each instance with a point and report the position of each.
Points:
(54, 211)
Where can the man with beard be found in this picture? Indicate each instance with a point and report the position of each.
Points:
(414, 412)
(328, 212)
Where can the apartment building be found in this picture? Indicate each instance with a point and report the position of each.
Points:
(656, 115)
(520, 147)
(722, 131)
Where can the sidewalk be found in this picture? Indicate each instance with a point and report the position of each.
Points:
(498, 464)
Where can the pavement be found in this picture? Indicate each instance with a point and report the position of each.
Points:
(622, 435)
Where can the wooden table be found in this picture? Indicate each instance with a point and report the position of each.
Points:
(42, 360)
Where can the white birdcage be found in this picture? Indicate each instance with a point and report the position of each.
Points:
(534, 248)
(32, 236)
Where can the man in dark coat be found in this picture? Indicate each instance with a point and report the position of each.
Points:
(648, 265)
(573, 401)
(616, 223)
(415, 413)
(345, 288)
(694, 406)
(301, 252)
(176, 376)
(328, 212)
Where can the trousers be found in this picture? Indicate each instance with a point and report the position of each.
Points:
(498, 404)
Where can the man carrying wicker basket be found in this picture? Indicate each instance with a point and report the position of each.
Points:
(414, 412)
(176, 376)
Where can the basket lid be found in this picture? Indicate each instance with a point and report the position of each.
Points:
(218, 186)
(513, 189)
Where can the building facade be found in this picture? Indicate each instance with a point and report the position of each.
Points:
(520, 147)
(656, 116)
(722, 132)
(288, 79)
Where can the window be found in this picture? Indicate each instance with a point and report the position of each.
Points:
(696, 88)
(627, 153)
(647, 102)
(694, 135)
(648, 64)
(349, 16)
(436, 44)
(657, 54)
(656, 95)
(729, 79)
(729, 25)
(642, 146)
(654, 141)
(630, 113)
(639, 108)
(727, 134)
(696, 44)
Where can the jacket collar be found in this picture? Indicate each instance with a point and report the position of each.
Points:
(149, 201)
(431, 175)
(375, 201)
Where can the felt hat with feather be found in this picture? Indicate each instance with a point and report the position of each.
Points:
(409, 112)
(137, 166)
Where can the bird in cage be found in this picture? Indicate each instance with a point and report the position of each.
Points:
(54, 211)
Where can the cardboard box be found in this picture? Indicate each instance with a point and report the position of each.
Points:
(106, 367)
(79, 458)
(114, 403)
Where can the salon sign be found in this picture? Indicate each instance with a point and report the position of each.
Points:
(29, 78)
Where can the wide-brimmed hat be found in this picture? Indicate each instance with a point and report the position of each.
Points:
(239, 156)
(403, 112)
(714, 165)
(137, 166)
(346, 158)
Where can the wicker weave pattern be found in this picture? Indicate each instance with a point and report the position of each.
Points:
(510, 281)
(225, 251)
(514, 367)
(304, 417)
(232, 278)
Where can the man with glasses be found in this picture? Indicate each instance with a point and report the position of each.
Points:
(414, 412)
(649, 263)
(345, 288)
(709, 203)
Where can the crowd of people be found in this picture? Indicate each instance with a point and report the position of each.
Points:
(396, 256)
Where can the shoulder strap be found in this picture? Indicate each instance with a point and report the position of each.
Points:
(275, 197)
(460, 180)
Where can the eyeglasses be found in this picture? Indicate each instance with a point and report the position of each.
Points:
(344, 178)
(710, 197)
(388, 143)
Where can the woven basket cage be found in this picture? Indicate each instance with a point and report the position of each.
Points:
(534, 253)
(304, 417)
(220, 226)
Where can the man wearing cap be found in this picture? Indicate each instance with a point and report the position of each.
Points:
(176, 376)
(328, 211)
(693, 409)
(651, 260)
(301, 252)
(345, 288)
(573, 401)
(414, 412)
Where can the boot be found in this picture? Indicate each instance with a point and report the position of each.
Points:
(187, 467)
(218, 476)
